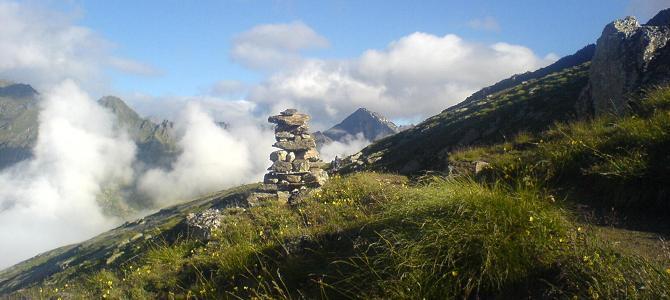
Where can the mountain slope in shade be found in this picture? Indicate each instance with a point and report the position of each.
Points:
(581, 56)
(117, 246)
(371, 125)
(528, 102)
(19, 125)
(18, 122)
(156, 145)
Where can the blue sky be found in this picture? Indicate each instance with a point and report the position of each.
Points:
(189, 43)
(404, 60)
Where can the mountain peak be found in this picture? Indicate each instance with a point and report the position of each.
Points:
(119, 108)
(662, 18)
(372, 125)
(16, 90)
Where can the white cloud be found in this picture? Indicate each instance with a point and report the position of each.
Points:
(44, 47)
(227, 88)
(133, 67)
(50, 200)
(487, 24)
(414, 77)
(341, 149)
(272, 46)
(212, 158)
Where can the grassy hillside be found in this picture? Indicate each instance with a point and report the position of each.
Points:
(510, 230)
(621, 162)
(120, 244)
(531, 106)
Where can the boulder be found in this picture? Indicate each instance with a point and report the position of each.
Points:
(200, 225)
(626, 60)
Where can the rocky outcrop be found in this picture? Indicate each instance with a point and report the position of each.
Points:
(628, 57)
(296, 166)
(200, 225)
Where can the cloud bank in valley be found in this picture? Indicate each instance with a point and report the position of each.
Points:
(50, 200)
(350, 145)
(211, 158)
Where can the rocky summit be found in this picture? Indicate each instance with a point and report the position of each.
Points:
(296, 166)
(628, 57)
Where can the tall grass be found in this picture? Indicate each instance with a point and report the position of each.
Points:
(379, 236)
(618, 161)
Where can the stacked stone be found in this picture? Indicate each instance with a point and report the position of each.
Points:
(296, 166)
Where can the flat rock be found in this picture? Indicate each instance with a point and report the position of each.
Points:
(305, 144)
(309, 154)
(284, 135)
(281, 167)
(256, 199)
(289, 112)
(295, 119)
(268, 187)
(301, 165)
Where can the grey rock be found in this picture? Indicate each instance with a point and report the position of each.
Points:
(200, 225)
(305, 144)
(295, 119)
(259, 198)
(309, 154)
(480, 166)
(289, 112)
(301, 165)
(281, 166)
(284, 135)
(279, 155)
(624, 57)
(270, 178)
(290, 157)
(268, 187)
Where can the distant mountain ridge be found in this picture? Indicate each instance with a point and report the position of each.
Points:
(18, 122)
(156, 143)
(19, 125)
(370, 125)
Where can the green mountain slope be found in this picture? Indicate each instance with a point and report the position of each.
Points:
(156, 144)
(530, 106)
(19, 112)
(513, 227)
(115, 246)
(536, 204)
(18, 119)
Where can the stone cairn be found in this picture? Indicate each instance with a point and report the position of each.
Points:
(296, 166)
